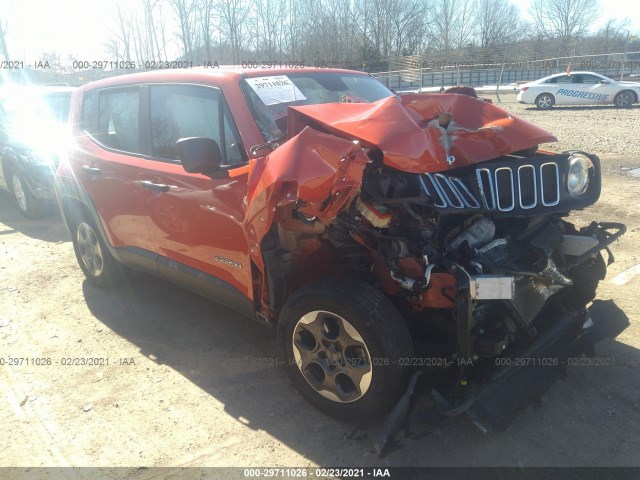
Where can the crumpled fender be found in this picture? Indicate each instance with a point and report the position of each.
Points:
(407, 131)
(320, 171)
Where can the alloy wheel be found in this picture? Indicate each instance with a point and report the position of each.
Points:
(623, 99)
(89, 249)
(332, 356)
(544, 101)
(19, 193)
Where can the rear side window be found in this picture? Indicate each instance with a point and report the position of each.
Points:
(111, 117)
(181, 111)
(562, 79)
(590, 79)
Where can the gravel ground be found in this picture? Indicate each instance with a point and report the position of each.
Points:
(190, 383)
(602, 129)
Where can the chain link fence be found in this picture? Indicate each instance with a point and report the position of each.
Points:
(434, 72)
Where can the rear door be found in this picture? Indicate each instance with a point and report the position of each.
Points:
(107, 162)
(196, 221)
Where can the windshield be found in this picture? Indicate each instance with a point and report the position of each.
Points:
(270, 96)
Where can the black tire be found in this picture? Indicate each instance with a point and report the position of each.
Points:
(94, 258)
(624, 99)
(26, 202)
(380, 363)
(545, 101)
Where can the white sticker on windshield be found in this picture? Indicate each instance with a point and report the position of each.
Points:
(276, 89)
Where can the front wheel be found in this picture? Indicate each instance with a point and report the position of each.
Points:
(545, 101)
(345, 347)
(624, 99)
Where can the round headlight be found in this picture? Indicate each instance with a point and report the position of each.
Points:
(578, 175)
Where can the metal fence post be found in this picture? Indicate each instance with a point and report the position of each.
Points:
(624, 59)
(504, 57)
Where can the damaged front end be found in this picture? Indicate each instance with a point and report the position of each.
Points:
(445, 203)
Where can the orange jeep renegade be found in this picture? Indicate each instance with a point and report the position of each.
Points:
(385, 237)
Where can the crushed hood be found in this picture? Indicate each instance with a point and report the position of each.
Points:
(407, 132)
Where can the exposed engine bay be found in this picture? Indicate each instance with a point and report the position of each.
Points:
(424, 238)
(476, 253)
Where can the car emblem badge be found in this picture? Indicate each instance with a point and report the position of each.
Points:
(227, 261)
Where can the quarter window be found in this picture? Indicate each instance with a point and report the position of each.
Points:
(116, 123)
(182, 111)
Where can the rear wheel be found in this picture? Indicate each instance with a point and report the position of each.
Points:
(545, 101)
(624, 99)
(94, 258)
(346, 348)
(27, 203)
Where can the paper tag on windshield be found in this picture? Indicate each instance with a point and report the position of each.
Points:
(277, 89)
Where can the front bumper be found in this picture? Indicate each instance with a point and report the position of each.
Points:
(495, 391)
(508, 384)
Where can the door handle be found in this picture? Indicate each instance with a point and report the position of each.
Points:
(92, 170)
(156, 187)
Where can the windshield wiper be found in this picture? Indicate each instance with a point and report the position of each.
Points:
(271, 145)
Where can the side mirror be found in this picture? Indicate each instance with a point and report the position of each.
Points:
(603, 81)
(200, 155)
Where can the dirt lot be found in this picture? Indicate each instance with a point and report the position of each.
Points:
(190, 383)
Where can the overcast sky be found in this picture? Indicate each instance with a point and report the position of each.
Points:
(81, 27)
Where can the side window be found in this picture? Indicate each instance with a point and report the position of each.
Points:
(590, 79)
(181, 111)
(115, 123)
(566, 79)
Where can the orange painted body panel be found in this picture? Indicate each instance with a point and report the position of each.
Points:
(197, 220)
(407, 132)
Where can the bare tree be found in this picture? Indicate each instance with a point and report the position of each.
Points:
(614, 29)
(497, 23)
(186, 12)
(233, 16)
(268, 25)
(149, 9)
(563, 19)
(205, 17)
(119, 44)
(299, 15)
(451, 24)
(392, 27)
